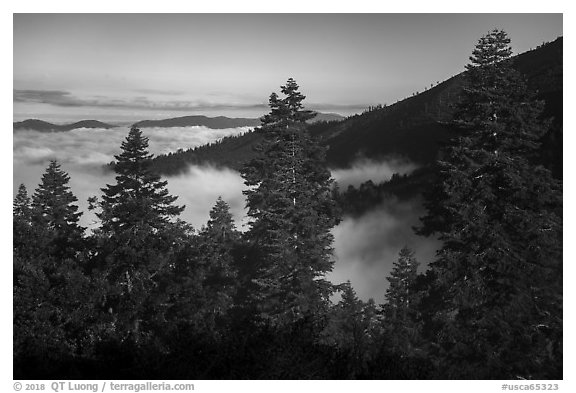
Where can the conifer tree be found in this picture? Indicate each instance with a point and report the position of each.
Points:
(220, 226)
(53, 202)
(351, 329)
(401, 303)
(52, 295)
(136, 241)
(55, 215)
(22, 231)
(203, 282)
(345, 329)
(22, 220)
(22, 204)
(498, 215)
(398, 294)
(209, 279)
(139, 197)
(292, 209)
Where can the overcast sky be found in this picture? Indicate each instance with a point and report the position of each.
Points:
(126, 67)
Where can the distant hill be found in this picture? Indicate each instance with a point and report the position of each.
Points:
(325, 117)
(44, 126)
(220, 121)
(413, 128)
(210, 122)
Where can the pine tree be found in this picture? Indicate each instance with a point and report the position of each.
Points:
(214, 264)
(23, 233)
(220, 226)
(138, 208)
(139, 197)
(52, 295)
(22, 204)
(54, 216)
(203, 283)
(401, 303)
(403, 275)
(345, 328)
(351, 329)
(292, 212)
(53, 202)
(22, 220)
(136, 242)
(498, 215)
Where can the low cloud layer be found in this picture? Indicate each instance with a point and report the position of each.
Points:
(365, 247)
(95, 146)
(200, 187)
(83, 153)
(377, 171)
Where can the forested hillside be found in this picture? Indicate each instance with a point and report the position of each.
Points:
(413, 128)
(146, 296)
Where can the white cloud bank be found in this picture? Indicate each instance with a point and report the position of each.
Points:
(83, 153)
(377, 171)
(365, 247)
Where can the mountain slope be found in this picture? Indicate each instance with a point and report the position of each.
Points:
(417, 126)
(413, 128)
(543, 69)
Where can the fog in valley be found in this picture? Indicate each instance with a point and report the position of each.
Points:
(455, 117)
(365, 247)
(365, 169)
(83, 153)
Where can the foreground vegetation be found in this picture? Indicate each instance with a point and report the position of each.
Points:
(147, 296)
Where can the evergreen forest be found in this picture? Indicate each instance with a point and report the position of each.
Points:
(147, 296)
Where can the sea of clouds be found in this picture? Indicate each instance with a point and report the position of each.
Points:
(365, 247)
(83, 154)
(365, 169)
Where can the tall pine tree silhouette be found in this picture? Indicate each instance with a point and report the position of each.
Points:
(22, 204)
(292, 209)
(139, 197)
(52, 295)
(401, 303)
(217, 242)
(53, 201)
(54, 213)
(136, 241)
(22, 221)
(498, 215)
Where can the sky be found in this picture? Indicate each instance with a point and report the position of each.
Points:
(127, 67)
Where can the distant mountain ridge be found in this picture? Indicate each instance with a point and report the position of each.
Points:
(219, 122)
(44, 126)
(326, 117)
